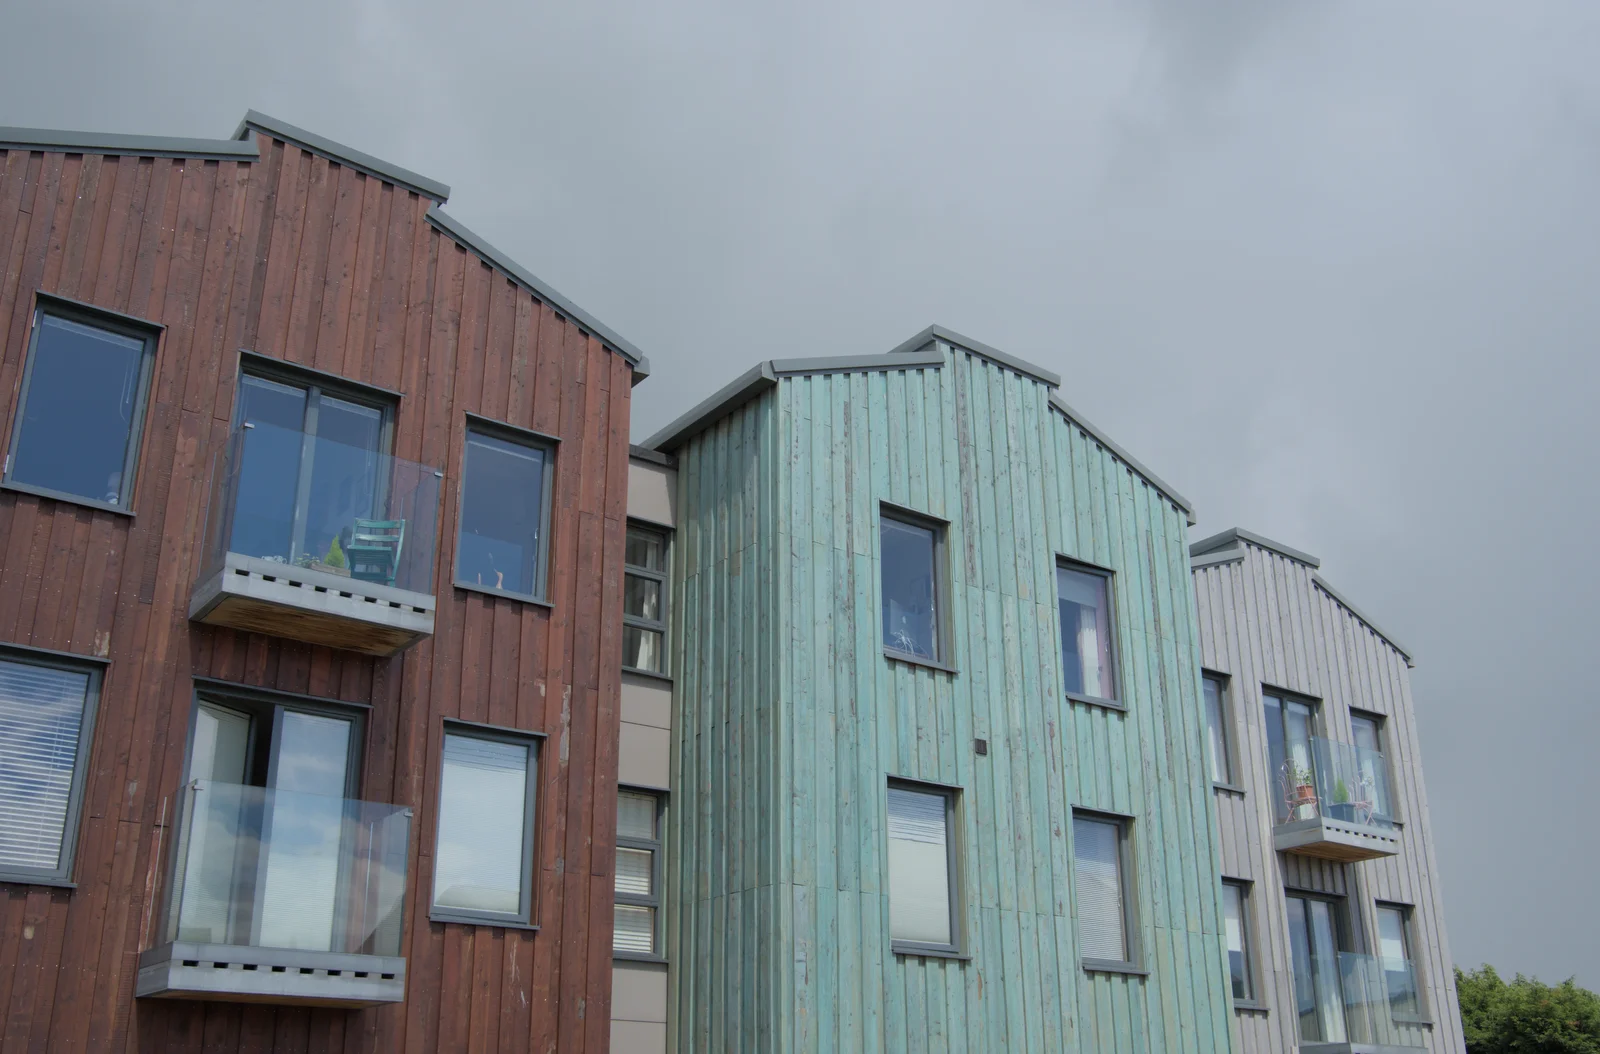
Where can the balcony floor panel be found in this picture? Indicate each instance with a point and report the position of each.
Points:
(1328, 839)
(229, 973)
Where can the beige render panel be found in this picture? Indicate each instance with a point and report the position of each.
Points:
(638, 1037)
(646, 701)
(652, 493)
(638, 992)
(643, 756)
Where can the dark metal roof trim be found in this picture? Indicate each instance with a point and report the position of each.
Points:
(1339, 598)
(130, 145)
(854, 363)
(372, 166)
(1060, 405)
(654, 457)
(495, 258)
(743, 388)
(1224, 556)
(1233, 535)
(949, 336)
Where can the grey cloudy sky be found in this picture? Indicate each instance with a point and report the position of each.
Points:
(1328, 268)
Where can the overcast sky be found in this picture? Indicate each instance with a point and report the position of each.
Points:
(1332, 270)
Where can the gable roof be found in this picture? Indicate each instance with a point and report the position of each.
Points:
(1230, 539)
(920, 352)
(244, 147)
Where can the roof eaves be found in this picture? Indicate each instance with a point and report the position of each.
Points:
(856, 363)
(128, 145)
(1223, 556)
(495, 258)
(1128, 459)
(1233, 535)
(742, 389)
(372, 166)
(1339, 598)
(949, 336)
(653, 457)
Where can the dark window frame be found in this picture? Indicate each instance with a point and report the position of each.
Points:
(1248, 944)
(533, 440)
(955, 879)
(1127, 861)
(1392, 785)
(1408, 914)
(657, 850)
(662, 578)
(1317, 730)
(944, 637)
(71, 830)
(113, 322)
(265, 704)
(1115, 701)
(527, 915)
(1227, 716)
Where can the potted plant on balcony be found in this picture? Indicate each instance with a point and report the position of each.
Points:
(1302, 792)
(334, 562)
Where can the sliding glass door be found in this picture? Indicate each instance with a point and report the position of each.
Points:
(1314, 940)
(1290, 725)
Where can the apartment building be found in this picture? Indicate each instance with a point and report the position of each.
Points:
(938, 763)
(1335, 930)
(313, 521)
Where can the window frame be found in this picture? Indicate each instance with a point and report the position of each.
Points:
(657, 849)
(954, 856)
(522, 919)
(1407, 935)
(533, 440)
(1381, 721)
(1247, 944)
(661, 577)
(71, 829)
(265, 705)
(113, 322)
(1226, 716)
(1126, 862)
(1115, 700)
(944, 638)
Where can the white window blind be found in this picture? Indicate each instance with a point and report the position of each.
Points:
(919, 867)
(482, 824)
(1217, 733)
(634, 929)
(1102, 928)
(41, 718)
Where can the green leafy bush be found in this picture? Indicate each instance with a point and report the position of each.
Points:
(1525, 1016)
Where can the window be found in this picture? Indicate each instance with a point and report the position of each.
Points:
(1290, 725)
(1101, 859)
(912, 554)
(636, 930)
(83, 396)
(47, 707)
(1316, 939)
(313, 463)
(644, 589)
(1237, 925)
(505, 508)
(1394, 949)
(1088, 657)
(923, 885)
(1218, 753)
(1367, 732)
(265, 857)
(483, 863)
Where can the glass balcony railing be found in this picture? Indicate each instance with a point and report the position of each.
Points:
(1380, 997)
(285, 497)
(272, 869)
(1336, 781)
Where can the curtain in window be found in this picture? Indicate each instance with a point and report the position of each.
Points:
(1102, 933)
(1216, 739)
(919, 867)
(41, 715)
(1085, 633)
(482, 807)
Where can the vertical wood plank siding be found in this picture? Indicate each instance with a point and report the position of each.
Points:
(302, 259)
(790, 720)
(1263, 620)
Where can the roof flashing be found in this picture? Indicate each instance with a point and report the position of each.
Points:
(255, 120)
(937, 332)
(1339, 598)
(126, 145)
(1060, 406)
(1234, 535)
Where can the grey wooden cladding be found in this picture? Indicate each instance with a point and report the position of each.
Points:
(1265, 619)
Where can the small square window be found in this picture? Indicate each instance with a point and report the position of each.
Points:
(636, 927)
(47, 710)
(483, 860)
(1088, 651)
(83, 397)
(1102, 866)
(923, 877)
(644, 600)
(1219, 752)
(503, 536)
(1238, 926)
(912, 558)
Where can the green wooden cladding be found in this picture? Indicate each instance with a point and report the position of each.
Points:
(790, 720)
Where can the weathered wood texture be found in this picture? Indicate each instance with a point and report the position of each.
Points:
(302, 259)
(1263, 621)
(789, 720)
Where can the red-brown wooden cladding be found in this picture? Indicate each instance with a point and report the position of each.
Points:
(306, 260)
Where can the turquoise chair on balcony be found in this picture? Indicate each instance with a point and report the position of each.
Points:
(374, 550)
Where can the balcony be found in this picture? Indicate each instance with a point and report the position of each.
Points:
(318, 541)
(1371, 1007)
(275, 897)
(1334, 803)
